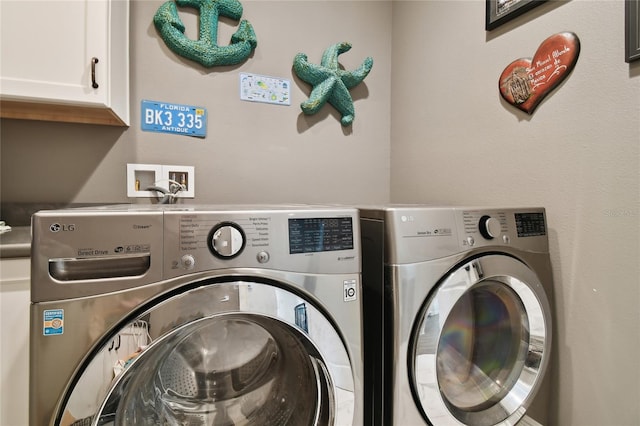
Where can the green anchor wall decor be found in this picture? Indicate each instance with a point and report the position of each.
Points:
(205, 50)
(330, 82)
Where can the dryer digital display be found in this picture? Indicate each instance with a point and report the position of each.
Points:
(530, 224)
(311, 235)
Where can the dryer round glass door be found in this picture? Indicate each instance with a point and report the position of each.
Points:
(480, 344)
(228, 354)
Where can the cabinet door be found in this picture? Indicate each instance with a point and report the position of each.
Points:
(48, 49)
(14, 341)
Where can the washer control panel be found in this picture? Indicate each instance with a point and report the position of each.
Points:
(290, 240)
(76, 250)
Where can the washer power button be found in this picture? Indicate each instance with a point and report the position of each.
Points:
(188, 261)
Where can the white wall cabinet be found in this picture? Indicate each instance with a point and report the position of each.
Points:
(47, 66)
(14, 341)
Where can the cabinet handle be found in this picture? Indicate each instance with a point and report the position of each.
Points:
(94, 61)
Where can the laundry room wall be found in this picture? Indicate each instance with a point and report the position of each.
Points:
(434, 130)
(253, 152)
(454, 141)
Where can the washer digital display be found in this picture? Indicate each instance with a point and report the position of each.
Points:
(530, 224)
(311, 235)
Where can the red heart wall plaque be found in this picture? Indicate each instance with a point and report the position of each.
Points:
(525, 82)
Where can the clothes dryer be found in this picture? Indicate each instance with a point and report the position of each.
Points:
(199, 315)
(463, 296)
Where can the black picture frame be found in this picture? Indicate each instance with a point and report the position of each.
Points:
(632, 30)
(501, 11)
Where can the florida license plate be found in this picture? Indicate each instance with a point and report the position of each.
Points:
(179, 119)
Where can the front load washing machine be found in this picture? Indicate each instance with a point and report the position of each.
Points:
(196, 315)
(463, 297)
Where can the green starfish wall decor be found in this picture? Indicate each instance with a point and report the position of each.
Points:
(205, 50)
(330, 82)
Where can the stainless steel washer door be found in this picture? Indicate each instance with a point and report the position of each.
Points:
(481, 343)
(230, 354)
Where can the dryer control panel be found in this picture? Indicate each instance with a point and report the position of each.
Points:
(489, 225)
(523, 229)
(517, 227)
(424, 233)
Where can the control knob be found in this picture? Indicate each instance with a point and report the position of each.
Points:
(226, 240)
(489, 227)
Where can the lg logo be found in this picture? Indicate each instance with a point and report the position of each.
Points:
(57, 227)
